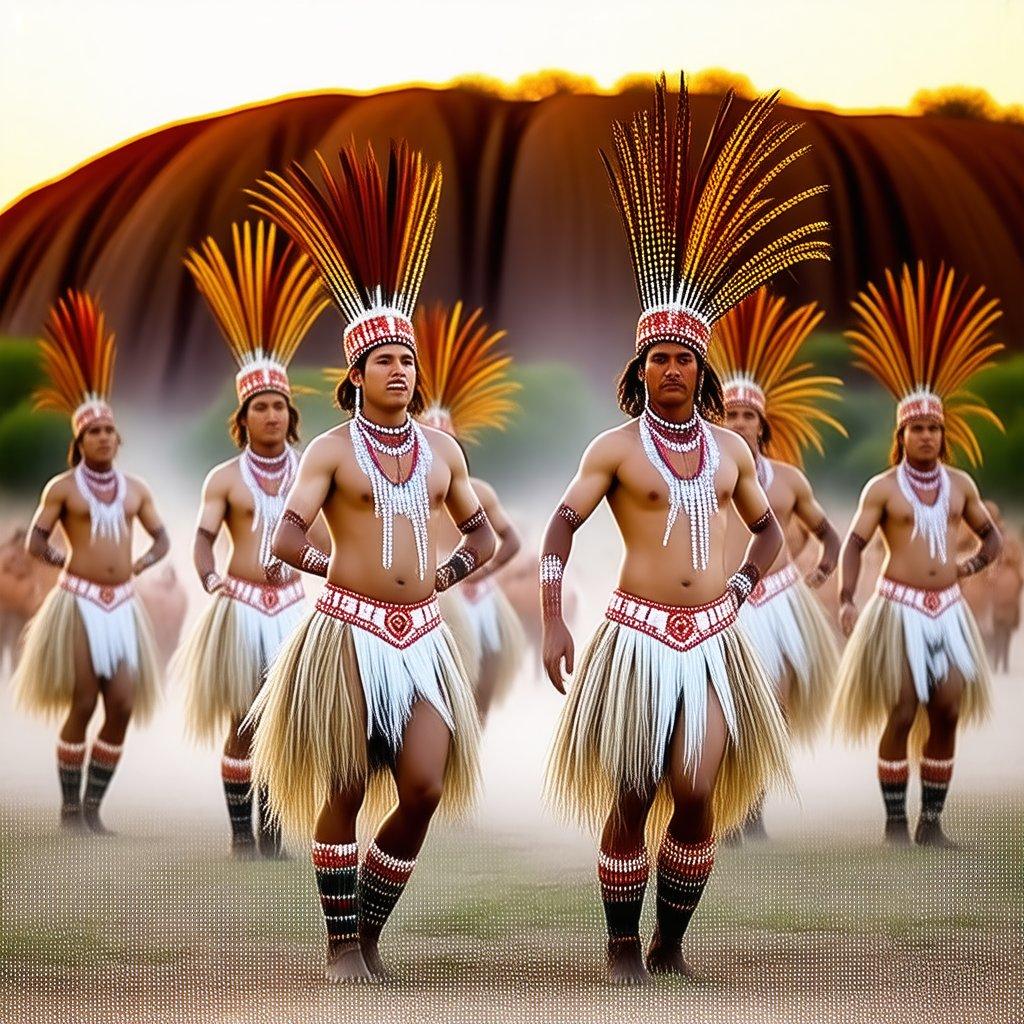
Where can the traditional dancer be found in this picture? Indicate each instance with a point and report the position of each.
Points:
(916, 653)
(671, 707)
(264, 307)
(772, 405)
(371, 684)
(466, 390)
(90, 638)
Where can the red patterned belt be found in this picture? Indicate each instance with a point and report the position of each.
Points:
(107, 596)
(264, 597)
(400, 625)
(774, 584)
(679, 627)
(929, 602)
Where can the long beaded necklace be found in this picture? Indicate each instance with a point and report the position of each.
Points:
(259, 474)
(408, 497)
(931, 522)
(104, 492)
(694, 495)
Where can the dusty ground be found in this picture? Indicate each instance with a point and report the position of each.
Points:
(501, 921)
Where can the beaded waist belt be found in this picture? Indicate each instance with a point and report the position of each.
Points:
(264, 597)
(107, 596)
(681, 628)
(400, 625)
(773, 584)
(928, 602)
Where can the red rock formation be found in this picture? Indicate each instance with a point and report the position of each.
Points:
(527, 225)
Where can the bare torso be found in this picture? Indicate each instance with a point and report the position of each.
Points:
(639, 502)
(356, 532)
(907, 558)
(782, 494)
(101, 560)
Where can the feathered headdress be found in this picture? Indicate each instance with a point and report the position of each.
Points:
(702, 238)
(753, 348)
(923, 338)
(368, 236)
(78, 356)
(264, 307)
(464, 381)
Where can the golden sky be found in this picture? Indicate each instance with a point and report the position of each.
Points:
(80, 76)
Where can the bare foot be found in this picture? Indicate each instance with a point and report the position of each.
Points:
(71, 820)
(667, 958)
(371, 956)
(91, 817)
(929, 833)
(896, 833)
(243, 849)
(626, 962)
(346, 965)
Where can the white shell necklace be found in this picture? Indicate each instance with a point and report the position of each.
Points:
(695, 496)
(258, 471)
(106, 515)
(931, 522)
(409, 497)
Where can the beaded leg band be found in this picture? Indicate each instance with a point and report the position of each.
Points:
(236, 774)
(623, 884)
(892, 778)
(102, 764)
(337, 868)
(70, 758)
(935, 779)
(382, 880)
(683, 871)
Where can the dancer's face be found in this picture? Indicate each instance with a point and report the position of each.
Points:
(922, 439)
(388, 378)
(266, 419)
(671, 371)
(746, 422)
(99, 443)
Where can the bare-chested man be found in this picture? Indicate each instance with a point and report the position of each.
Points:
(771, 404)
(916, 653)
(671, 709)
(91, 637)
(466, 389)
(370, 695)
(223, 662)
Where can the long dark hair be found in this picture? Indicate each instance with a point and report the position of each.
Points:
(897, 451)
(345, 392)
(240, 433)
(708, 399)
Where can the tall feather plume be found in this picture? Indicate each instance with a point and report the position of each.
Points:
(758, 340)
(368, 235)
(931, 332)
(77, 353)
(460, 371)
(701, 229)
(266, 303)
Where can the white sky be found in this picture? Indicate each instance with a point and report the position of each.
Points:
(80, 76)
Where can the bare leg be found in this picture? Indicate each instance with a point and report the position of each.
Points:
(335, 862)
(892, 763)
(691, 828)
(485, 686)
(623, 869)
(419, 777)
(943, 709)
(236, 776)
(71, 744)
(118, 700)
